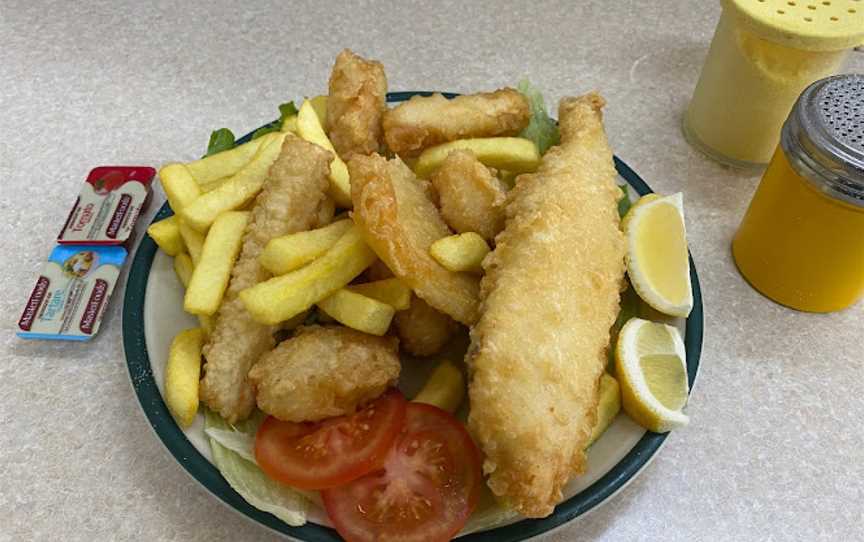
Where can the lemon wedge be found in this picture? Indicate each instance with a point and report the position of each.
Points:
(650, 366)
(657, 254)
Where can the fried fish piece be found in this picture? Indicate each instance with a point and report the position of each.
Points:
(425, 121)
(471, 198)
(399, 222)
(356, 102)
(550, 294)
(290, 202)
(323, 372)
(422, 330)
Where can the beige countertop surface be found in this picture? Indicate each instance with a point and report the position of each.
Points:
(775, 449)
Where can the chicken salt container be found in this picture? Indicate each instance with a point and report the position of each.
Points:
(763, 55)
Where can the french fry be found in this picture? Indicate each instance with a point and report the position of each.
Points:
(445, 388)
(213, 185)
(236, 191)
(462, 252)
(179, 185)
(358, 311)
(319, 104)
(309, 128)
(226, 163)
(166, 234)
(607, 408)
(514, 154)
(183, 266)
(295, 250)
(193, 240)
(182, 374)
(210, 277)
(280, 298)
(390, 291)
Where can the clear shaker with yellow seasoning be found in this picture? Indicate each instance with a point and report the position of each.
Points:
(763, 54)
(801, 242)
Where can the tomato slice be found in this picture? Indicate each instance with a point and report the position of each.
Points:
(333, 451)
(425, 491)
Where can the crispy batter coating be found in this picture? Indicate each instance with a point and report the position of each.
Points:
(471, 198)
(425, 121)
(550, 295)
(324, 372)
(326, 212)
(378, 271)
(357, 100)
(400, 222)
(288, 203)
(422, 330)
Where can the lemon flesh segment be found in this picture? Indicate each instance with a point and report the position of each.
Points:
(666, 379)
(657, 259)
(651, 370)
(654, 339)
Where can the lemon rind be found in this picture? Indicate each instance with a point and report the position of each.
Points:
(634, 270)
(632, 376)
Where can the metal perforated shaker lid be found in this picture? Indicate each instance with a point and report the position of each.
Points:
(825, 132)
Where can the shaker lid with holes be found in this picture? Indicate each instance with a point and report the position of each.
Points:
(811, 25)
(825, 130)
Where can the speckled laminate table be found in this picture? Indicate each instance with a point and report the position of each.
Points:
(774, 450)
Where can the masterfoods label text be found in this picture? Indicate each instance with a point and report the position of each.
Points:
(72, 292)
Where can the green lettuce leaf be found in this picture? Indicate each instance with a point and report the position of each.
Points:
(630, 304)
(285, 110)
(238, 442)
(245, 477)
(541, 129)
(625, 202)
(220, 140)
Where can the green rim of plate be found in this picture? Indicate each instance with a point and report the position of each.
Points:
(141, 375)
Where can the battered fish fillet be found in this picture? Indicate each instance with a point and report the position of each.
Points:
(290, 201)
(357, 100)
(471, 198)
(425, 121)
(323, 372)
(550, 295)
(399, 222)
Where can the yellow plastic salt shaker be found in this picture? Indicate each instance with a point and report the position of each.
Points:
(801, 242)
(763, 54)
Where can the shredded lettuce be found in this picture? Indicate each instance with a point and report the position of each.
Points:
(541, 129)
(230, 447)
